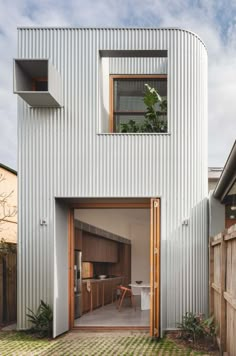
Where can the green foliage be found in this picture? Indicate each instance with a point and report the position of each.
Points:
(190, 326)
(209, 326)
(131, 126)
(196, 327)
(155, 120)
(41, 320)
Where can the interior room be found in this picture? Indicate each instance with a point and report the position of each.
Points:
(112, 251)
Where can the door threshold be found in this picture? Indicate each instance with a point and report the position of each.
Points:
(110, 328)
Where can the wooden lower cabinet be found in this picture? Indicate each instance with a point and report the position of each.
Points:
(86, 297)
(102, 293)
(107, 292)
(95, 295)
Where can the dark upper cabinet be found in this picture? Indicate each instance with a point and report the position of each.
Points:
(98, 249)
(78, 239)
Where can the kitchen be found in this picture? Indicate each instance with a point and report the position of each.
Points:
(104, 259)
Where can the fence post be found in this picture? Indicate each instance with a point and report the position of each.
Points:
(211, 277)
(222, 299)
(4, 292)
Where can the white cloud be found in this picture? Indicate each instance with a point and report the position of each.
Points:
(214, 21)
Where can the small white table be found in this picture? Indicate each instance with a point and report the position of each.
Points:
(145, 294)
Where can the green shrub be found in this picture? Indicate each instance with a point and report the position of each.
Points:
(41, 320)
(195, 327)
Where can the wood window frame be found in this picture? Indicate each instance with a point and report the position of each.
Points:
(125, 76)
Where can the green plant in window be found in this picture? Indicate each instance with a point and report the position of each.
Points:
(130, 126)
(155, 115)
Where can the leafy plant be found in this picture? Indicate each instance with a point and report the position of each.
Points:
(190, 327)
(209, 326)
(196, 327)
(41, 320)
(155, 116)
(131, 126)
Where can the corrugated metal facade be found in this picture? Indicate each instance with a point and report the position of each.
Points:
(64, 153)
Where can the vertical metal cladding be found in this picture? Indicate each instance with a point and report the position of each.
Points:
(63, 153)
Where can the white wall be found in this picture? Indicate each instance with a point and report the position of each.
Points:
(61, 263)
(104, 85)
(134, 224)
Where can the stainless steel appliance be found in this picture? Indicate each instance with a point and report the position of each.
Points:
(78, 283)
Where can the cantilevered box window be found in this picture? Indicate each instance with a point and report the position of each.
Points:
(138, 103)
(37, 82)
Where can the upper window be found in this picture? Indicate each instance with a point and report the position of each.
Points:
(138, 103)
(37, 82)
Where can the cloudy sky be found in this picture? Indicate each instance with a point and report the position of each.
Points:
(213, 20)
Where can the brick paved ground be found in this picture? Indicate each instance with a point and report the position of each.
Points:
(88, 344)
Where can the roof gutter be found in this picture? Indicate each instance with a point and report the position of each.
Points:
(8, 168)
(227, 177)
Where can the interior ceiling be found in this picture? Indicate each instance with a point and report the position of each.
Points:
(77, 201)
(131, 214)
(34, 68)
(118, 221)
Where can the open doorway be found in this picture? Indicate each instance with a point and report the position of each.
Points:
(115, 247)
(111, 247)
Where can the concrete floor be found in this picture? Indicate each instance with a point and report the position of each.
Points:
(110, 316)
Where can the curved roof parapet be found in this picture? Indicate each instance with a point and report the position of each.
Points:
(228, 176)
(112, 28)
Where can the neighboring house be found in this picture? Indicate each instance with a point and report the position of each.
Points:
(214, 174)
(84, 144)
(8, 204)
(223, 198)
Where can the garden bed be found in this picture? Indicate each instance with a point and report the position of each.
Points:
(200, 345)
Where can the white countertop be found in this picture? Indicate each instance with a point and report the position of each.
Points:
(92, 280)
(142, 285)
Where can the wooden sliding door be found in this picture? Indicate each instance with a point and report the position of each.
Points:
(155, 268)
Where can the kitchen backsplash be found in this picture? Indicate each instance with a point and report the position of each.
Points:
(87, 270)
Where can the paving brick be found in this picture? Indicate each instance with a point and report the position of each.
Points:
(89, 344)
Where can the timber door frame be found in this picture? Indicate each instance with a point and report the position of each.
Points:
(154, 205)
(155, 268)
(71, 236)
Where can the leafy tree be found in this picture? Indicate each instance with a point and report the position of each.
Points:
(6, 212)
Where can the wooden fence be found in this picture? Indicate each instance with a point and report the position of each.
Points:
(8, 288)
(223, 288)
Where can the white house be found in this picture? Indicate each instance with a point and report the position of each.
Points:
(222, 201)
(8, 204)
(146, 190)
